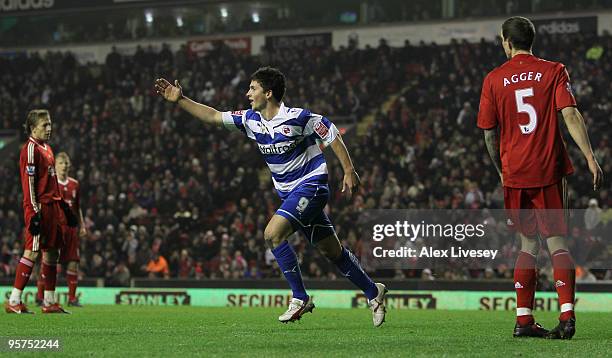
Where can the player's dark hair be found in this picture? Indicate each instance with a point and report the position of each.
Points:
(271, 79)
(32, 118)
(519, 31)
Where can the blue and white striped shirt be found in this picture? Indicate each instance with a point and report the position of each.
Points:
(289, 143)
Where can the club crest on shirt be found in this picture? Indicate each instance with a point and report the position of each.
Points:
(30, 170)
(285, 130)
(321, 129)
(51, 170)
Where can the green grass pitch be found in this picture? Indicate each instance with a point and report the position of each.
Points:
(195, 331)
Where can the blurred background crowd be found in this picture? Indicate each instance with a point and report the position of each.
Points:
(165, 196)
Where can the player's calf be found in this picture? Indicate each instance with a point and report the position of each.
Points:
(72, 278)
(22, 276)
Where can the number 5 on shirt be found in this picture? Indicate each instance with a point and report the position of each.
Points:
(523, 107)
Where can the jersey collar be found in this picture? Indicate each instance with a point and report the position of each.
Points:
(281, 116)
(522, 57)
(40, 143)
(282, 112)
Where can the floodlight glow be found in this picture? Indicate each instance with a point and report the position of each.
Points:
(149, 16)
(255, 17)
(224, 12)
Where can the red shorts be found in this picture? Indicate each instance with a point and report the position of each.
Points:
(72, 242)
(51, 229)
(533, 211)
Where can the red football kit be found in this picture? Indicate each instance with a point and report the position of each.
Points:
(523, 97)
(40, 195)
(69, 190)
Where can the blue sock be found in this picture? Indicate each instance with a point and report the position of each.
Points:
(288, 263)
(349, 266)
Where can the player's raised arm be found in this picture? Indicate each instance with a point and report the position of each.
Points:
(174, 93)
(577, 129)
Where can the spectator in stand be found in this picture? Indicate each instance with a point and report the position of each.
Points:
(158, 267)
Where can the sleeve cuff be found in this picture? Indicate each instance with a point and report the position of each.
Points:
(486, 127)
(228, 121)
(333, 134)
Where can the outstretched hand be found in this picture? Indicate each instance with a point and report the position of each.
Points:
(597, 173)
(350, 183)
(168, 91)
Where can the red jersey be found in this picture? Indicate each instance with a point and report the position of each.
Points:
(70, 193)
(38, 180)
(523, 96)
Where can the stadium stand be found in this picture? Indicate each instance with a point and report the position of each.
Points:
(157, 183)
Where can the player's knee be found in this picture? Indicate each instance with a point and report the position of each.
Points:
(530, 245)
(330, 248)
(331, 253)
(31, 255)
(273, 238)
(556, 243)
(72, 266)
(50, 257)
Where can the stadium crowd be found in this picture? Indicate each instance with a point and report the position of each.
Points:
(164, 196)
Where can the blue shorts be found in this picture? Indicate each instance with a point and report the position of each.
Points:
(303, 207)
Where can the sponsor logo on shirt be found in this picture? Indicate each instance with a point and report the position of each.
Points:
(321, 129)
(238, 113)
(276, 149)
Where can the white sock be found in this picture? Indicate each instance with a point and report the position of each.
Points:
(49, 298)
(15, 298)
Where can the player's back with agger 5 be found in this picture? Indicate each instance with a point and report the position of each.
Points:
(523, 96)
